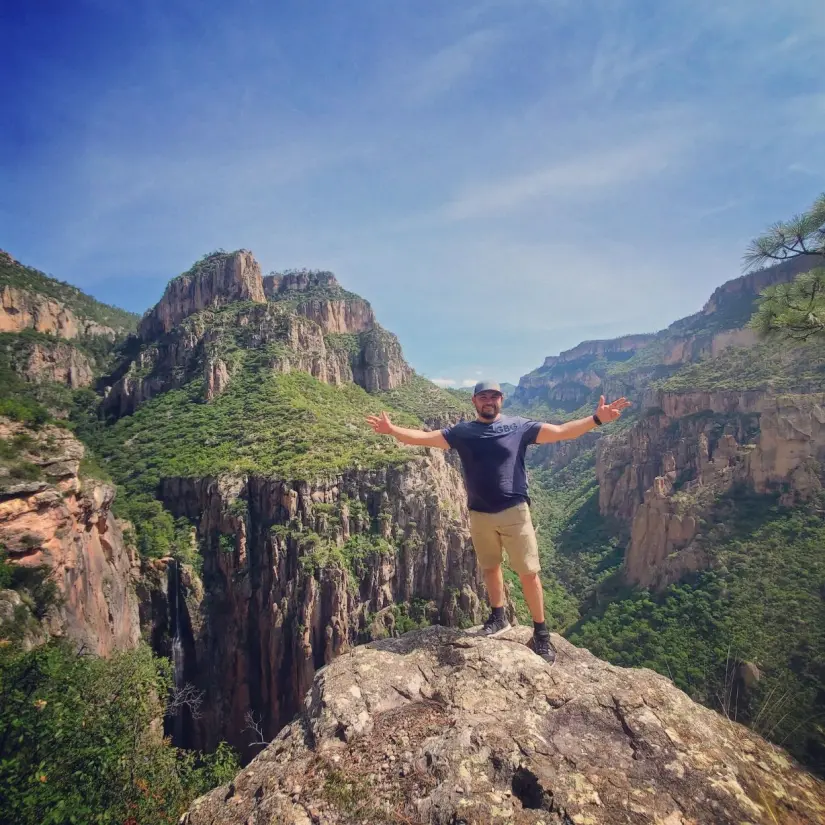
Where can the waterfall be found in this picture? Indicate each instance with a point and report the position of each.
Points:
(177, 656)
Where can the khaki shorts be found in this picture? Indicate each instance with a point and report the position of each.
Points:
(510, 530)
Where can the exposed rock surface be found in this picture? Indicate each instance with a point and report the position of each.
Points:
(276, 609)
(65, 523)
(754, 282)
(313, 293)
(281, 338)
(659, 474)
(61, 363)
(21, 309)
(218, 281)
(443, 728)
(580, 374)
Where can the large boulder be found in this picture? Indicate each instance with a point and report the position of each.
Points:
(439, 726)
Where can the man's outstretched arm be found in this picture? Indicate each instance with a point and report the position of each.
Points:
(573, 429)
(416, 438)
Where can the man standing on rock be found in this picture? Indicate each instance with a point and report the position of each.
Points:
(492, 450)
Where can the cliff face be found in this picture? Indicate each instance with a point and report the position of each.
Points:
(64, 523)
(747, 286)
(216, 281)
(304, 322)
(663, 474)
(626, 365)
(440, 727)
(294, 574)
(281, 342)
(21, 310)
(567, 380)
(61, 363)
(598, 349)
(337, 315)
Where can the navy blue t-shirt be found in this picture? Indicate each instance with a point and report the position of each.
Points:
(492, 456)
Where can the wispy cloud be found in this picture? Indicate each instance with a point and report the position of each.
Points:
(443, 71)
(618, 60)
(583, 175)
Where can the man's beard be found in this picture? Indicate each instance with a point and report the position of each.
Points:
(485, 412)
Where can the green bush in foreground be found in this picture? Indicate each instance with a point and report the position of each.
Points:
(79, 741)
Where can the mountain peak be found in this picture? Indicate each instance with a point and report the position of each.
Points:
(217, 279)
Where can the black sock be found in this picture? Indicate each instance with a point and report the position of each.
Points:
(539, 627)
(498, 612)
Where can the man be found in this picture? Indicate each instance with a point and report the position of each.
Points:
(492, 450)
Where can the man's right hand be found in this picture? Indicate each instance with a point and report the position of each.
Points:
(380, 423)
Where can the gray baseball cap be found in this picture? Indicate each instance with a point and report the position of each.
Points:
(492, 386)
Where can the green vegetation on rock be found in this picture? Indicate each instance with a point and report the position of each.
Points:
(770, 366)
(16, 275)
(426, 401)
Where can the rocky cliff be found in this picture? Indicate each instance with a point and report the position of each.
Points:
(295, 573)
(208, 325)
(696, 431)
(319, 297)
(53, 517)
(20, 309)
(628, 364)
(664, 474)
(441, 727)
(214, 281)
(60, 363)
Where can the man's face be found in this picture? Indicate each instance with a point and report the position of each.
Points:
(488, 404)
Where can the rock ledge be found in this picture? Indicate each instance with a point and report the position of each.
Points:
(439, 726)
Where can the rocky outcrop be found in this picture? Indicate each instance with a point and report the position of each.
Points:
(660, 475)
(288, 284)
(688, 350)
(440, 727)
(21, 310)
(295, 573)
(319, 297)
(576, 376)
(279, 340)
(753, 283)
(379, 364)
(217, 280)
(569, 379)
(61, 363)
(64, 522)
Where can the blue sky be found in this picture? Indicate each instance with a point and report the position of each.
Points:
(501, 178)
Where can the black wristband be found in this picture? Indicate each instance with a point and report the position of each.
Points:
(597, 420)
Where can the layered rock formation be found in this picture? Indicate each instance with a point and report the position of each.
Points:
(567, 380)
(664, 473)
(21, 310)
(312, 293)
(304, 322)
(215, 281)
(294, 574)
(61, 363)
(64, 523)
(440, 727)
(626, 365)
(661, 476)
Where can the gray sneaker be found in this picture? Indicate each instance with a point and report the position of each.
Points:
(543, 647)
(494, 627)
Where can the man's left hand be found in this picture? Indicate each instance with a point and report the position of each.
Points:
(611, 411)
